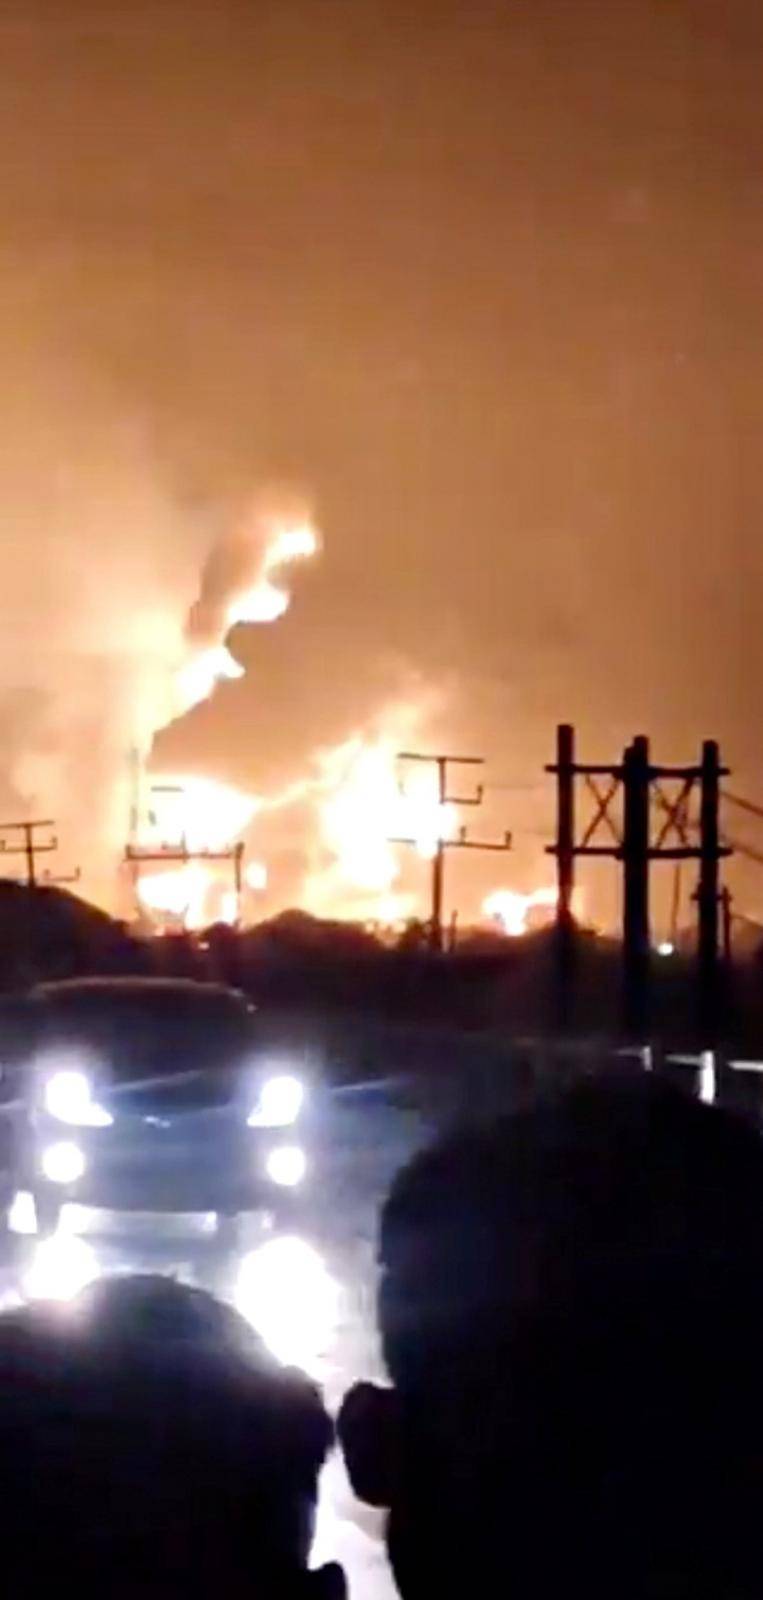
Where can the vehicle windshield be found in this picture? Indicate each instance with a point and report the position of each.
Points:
(150, 1031)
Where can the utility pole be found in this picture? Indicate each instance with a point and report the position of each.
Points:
(23, 842)
(749, 852)
(727, 923)
(636, 776)
(708, 892)
(564, 850)
(172, 852)
(461, 842)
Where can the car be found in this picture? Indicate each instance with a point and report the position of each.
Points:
(147, 1098)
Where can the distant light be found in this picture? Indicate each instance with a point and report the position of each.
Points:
(61, 1267)
(256, 875)
(511, 910)
(707, 1083)
(22, 1214)
(62, 1162)
(229, 907)
(666, 948)
(285, 1292)
(286, 1166)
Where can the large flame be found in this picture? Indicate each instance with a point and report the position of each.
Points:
(512, 911)
(364, 806)
(193, 815)
(199, 676)
(267, 601)
(369, 806)
(280, 544)
(364, 803)
(176, 894)
(196, 813)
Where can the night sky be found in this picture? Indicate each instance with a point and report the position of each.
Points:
(483, 279)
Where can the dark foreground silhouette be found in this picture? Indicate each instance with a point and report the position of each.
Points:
(148, 1446)
(571, 1308)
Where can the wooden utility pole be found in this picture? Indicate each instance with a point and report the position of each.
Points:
(564, 850)
(708, 893)
(441, 844)
(23, 842)
(636, 775)
(176, 850)
(727, 924)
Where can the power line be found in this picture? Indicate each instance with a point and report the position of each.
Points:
(744, 805)
(746, 850)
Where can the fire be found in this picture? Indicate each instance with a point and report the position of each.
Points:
(367, 805)
(267, 601)
(194, 895)
(393, 910)
(360, 803)
(261, 602)
(179, 893)
(197, 813)
(357, 817)
(291, 544)
(256, 876)
(199, 676)
(229, 908)
(511, 910)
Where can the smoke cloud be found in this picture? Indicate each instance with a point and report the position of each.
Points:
(101, 562)
(486, 279)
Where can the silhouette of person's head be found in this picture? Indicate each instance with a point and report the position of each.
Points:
(149, 1446)
(571, 1308)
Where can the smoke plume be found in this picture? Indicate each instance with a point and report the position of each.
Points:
(101, 563)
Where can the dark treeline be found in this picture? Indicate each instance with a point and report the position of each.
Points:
(296, 963)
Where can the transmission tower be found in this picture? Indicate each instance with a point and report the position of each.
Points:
(642, 791)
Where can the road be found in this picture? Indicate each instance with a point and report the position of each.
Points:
(366, 1141)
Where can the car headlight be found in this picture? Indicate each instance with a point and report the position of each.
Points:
(286, 1166)
(285, 1291)
(68, 1098)
(61, 1267)
(62, 1162)
(279, 1104)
